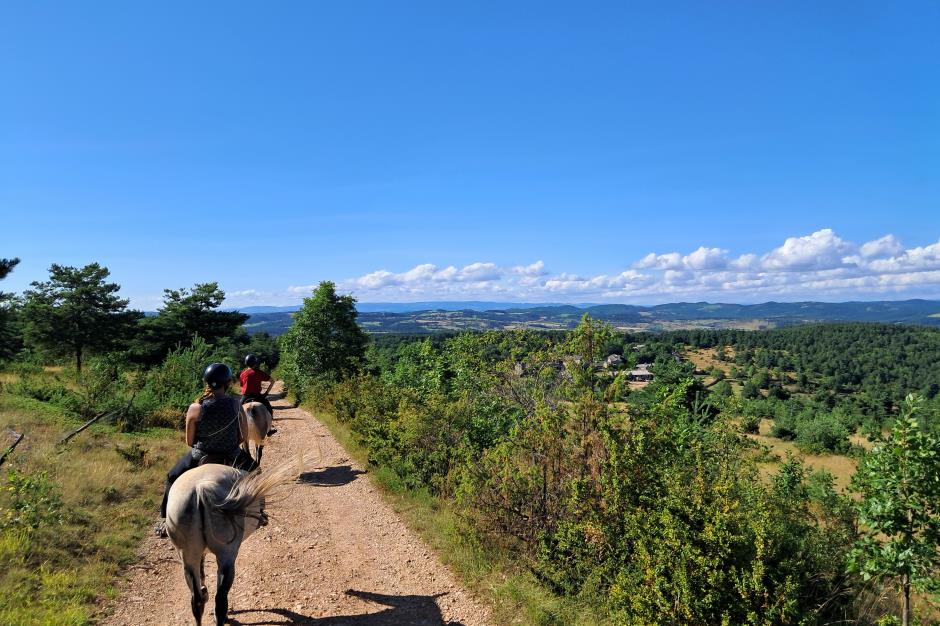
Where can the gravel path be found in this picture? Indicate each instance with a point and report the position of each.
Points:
(334, 554)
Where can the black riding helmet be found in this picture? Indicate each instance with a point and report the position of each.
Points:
(251, 361)
(217, 375)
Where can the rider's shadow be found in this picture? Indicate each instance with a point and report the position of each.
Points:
(331, 476)
(417, 610)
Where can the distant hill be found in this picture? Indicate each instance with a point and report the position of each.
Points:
(622, 316)
(408, 307)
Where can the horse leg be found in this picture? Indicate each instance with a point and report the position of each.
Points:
(226, 577)
(193, 572)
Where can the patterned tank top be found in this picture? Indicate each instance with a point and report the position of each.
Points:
(217, 430)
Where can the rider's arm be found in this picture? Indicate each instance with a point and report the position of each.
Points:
(268, 379)
(192, 416)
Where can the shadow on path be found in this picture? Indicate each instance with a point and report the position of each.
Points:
(417, 610)
(331, 477)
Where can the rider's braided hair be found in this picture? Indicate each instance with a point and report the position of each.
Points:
(208, 392)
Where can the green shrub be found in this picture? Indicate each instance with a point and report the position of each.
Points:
(34, 502)
(170, 387)
(45, 388)
(824, 433)
(750, 424)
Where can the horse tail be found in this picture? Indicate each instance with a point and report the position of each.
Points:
(259, 421)
(249, 489)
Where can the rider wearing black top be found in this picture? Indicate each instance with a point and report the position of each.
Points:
(213, 431)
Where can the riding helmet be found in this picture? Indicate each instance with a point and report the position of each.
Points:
(251, 361)
(217, 375)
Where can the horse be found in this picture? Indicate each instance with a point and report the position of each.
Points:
(216, 507)
(255, 421)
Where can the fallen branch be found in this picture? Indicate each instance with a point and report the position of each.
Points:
(65, 439)
(3, 456)
(115, 413)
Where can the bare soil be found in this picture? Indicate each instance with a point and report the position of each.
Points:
(334, 554)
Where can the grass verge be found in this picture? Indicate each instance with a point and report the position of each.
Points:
(515, 595)
(72, 516)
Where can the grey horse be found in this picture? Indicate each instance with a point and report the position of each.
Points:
(216, 507)
(255, 423)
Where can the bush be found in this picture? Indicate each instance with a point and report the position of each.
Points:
(750, 424)
(170, 387)
(785, 426)
(102, 387)
(43, 387)
(825, 433)
(34, 502)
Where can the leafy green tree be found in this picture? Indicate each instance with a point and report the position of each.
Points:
(750, 390)
(186, 313)
(9, 335)
(324, 342)
(76, 312)
(899, 511)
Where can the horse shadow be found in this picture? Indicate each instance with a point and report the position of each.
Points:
(407, 609)
(336, 476)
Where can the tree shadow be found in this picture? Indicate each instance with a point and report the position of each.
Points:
(418, 610)
(336, 476)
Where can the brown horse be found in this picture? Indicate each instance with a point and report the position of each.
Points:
(216, 507)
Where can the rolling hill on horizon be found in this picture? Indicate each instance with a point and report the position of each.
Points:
(439, 317)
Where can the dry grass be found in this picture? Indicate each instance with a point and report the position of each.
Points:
(842, 468)
(704, 359)
(57, 572)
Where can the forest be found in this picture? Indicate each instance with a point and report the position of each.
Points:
(653, 503)
(696, 498)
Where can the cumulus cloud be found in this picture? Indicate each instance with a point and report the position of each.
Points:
(533, 269)
(818, 265)
(821, 250)
(886, 246)
(651, 261)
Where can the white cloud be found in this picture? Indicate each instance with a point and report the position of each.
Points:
(821, 250)
(244, 293)
(706, 259)
(922, 258)
(533, 269)
(651, 261)
(820, 265)
(481, 272)
(886, 246)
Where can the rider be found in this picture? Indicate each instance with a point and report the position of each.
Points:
(212, 429)
(251, 378)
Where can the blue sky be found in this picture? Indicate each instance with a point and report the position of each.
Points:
(497, 151)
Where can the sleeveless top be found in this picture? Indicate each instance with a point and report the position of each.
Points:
(217, 430)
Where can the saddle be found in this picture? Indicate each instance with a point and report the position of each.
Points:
(221, 459)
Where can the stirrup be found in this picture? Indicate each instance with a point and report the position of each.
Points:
(159, 529)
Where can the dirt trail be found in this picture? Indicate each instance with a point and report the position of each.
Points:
(334, 554)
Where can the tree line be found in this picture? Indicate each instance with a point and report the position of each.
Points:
(137, 369)
(78, 313)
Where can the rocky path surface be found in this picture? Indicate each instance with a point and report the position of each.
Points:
(334, 554)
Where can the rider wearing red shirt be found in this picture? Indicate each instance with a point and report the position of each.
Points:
(251, 378)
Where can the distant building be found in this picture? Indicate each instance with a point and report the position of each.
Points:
(614, 361)
(641, 373)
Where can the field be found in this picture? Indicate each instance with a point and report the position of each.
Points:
(71, 516)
